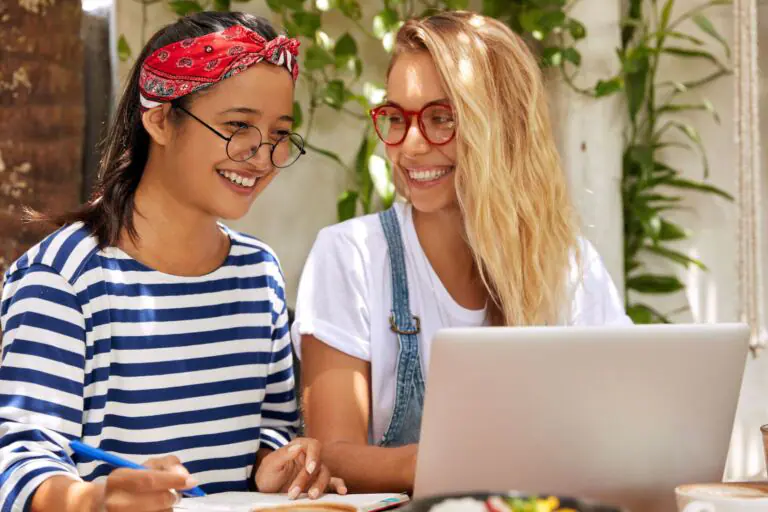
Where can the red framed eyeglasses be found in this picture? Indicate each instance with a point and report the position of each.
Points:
(436, 122)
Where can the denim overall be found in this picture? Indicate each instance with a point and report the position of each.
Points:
(405, 425)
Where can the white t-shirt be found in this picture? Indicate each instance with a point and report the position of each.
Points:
(345, 300)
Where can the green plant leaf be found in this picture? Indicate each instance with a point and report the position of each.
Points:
(457, 5)
(291, 28)
(698, 186)
(324, 40)
(577, 29)
(631, 265)
(222, 5)
(384, 22)
(184, 7)
(572, 55)
(692, 54)
(552, 19)
(540, 22)
(351, 9)
(655, 284)
(678, 145)
(307, 23)
(357, 67)
(346, 206)
(362, 173)
(551, 57)
(665, 13)
(495, 8)
(684, 37)
(642, 156)
(664, 169)
(653, 198)
(693, 135)
(634, 60)
(676, 107)
(706, 26)
(643, 314)
(317, 58)
(693, 84)
(275, 5)
(608, 87)
(675, 256)
(123, 50)
(679, 87)
(671, 231)
(529, 20)
(293, 5)
(345, 46)
(634, 13)
(298, 115)
(651, 224)
(335, 94)
(381, 175)
(635, 87)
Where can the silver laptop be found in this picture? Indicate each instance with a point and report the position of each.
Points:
(617, 414)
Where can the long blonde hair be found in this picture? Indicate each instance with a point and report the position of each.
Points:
(519, 220)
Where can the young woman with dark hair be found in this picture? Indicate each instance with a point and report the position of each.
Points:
(145, 327)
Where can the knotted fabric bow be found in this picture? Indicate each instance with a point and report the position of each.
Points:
(190, 65)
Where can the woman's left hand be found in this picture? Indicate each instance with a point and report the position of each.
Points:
(296, 468)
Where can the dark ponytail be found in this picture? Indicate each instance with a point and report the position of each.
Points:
(126, 144)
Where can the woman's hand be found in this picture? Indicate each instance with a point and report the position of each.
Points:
(152, 490)
(296, 468)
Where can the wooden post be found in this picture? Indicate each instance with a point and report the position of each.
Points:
(42, 108)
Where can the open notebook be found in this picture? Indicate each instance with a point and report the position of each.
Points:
(249, 501)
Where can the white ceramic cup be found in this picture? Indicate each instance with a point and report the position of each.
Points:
(720, 498)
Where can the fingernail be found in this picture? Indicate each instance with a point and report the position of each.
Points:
(342, 490)
(314, 493)
(179, 470)
(294, 493)
(294, 448)
(311, 467)
(190, 483)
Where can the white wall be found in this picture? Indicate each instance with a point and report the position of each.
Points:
(590, 134)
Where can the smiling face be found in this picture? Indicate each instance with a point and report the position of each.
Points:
(200, 170)
(425, 171)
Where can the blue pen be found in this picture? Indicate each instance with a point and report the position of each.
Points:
(118, 462)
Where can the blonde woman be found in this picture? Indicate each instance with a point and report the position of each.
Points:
(487, 236)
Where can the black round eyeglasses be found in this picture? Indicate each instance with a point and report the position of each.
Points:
(246, 141)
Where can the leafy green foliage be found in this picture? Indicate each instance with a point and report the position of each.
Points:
(647, 179)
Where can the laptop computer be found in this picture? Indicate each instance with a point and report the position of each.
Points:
(620, 415)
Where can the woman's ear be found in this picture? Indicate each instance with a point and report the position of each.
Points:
(158, 124)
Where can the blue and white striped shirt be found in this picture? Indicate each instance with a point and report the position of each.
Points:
(98, 347)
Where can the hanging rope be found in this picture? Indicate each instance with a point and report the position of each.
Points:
(748, 171)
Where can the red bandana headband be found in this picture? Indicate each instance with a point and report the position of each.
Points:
(187, 66)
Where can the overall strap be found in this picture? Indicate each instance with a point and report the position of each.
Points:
(401, 321)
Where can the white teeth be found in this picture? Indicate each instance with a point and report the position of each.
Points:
(427, 175)
(237, 179)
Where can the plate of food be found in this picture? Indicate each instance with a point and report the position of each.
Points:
(506, 502)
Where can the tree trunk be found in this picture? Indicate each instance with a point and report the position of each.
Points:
(42, 109)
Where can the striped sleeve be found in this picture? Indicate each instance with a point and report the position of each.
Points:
(41, 381)
(279, 413)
